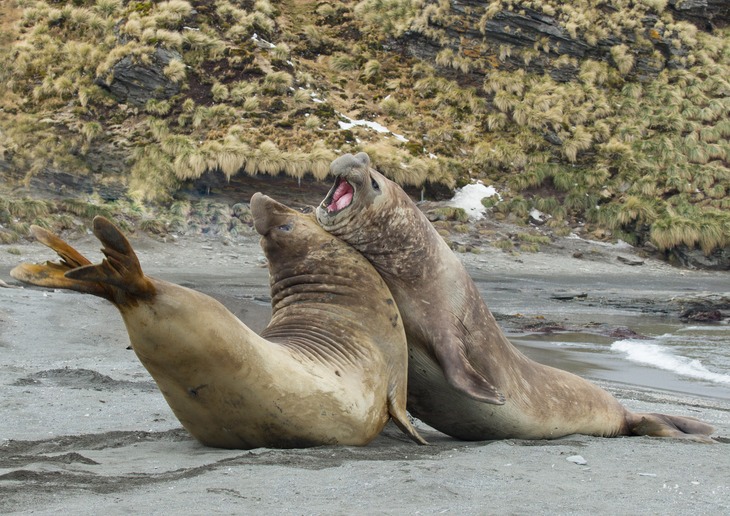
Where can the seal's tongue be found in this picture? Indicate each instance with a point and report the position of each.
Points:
(342, 197)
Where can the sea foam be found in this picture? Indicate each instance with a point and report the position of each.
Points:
(662, 357)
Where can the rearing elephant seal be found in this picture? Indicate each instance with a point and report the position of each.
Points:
(329, 369)
(465, 378)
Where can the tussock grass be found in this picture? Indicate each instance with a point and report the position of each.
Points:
(606, 147)
(449, 213)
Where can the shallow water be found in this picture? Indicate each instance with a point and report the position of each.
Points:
(688, 359)
(667, 355)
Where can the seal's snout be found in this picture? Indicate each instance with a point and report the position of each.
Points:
(348, 164)
(267, 213)
(259, 213)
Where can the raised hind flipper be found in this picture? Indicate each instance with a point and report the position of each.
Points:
(120, 269)
(52, 275)
(662, 425)
(118, 275)
(70, 257)
(397, 411)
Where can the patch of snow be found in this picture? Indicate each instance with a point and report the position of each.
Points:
(262, 42)
(350, 123)
(536, 214)
(470, 198)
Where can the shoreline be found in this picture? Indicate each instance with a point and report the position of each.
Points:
(86, 430)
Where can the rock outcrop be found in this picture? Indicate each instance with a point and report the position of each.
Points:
(135, 83)
(705, 14)
(499, 40)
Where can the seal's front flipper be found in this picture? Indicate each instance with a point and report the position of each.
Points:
(397, 411)
(463, 377)
(662, 425)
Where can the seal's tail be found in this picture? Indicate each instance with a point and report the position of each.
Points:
(117, 278)
(662, 425)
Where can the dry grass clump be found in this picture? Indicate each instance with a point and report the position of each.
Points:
(262, 88)
(74, 216)
(72, 49)
(633, 149)
(169, 159)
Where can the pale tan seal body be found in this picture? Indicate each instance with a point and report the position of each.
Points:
(465, 378)
(319, 376)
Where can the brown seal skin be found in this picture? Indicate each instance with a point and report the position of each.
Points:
(330, 368)
(465, 378)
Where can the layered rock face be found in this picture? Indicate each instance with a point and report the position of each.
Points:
(135, 83)
(502, 38)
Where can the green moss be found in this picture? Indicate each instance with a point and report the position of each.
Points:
(533, 238)
(489, 202)
(504, 244)
(450, 213)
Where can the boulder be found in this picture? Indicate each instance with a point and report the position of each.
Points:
(135, 83)
(719, 260)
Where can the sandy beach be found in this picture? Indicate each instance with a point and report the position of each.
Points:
(84, 429)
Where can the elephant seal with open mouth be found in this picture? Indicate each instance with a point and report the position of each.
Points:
(465, 378)
(329, 369)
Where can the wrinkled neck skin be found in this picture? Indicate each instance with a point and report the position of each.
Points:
(392, 233)
(302, 300)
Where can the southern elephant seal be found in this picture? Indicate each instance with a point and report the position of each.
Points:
(318, 378)
(465, 378)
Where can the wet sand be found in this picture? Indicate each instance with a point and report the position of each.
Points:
(84, 429)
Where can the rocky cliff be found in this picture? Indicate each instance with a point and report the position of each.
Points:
(607, 117)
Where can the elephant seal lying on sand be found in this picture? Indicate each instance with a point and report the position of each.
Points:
(465, 378)
(329, 369)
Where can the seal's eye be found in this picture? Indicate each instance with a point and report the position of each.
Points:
(374, 184)
(285, 227)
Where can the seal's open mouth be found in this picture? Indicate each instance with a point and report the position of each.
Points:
(340, 197)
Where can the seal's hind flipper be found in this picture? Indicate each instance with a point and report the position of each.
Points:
(662, 425)
(52, 275)
(70, 257)
(119, 273)
(120, 268)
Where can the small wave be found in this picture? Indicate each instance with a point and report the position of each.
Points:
(658, 356)
(705, 328)
(579, 345)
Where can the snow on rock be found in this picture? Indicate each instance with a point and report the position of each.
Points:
(370, 125)
(470, 199)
